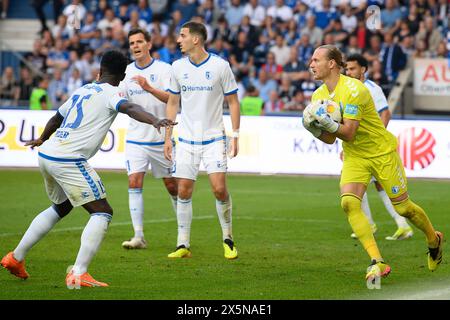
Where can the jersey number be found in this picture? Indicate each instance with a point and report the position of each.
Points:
(76, 101)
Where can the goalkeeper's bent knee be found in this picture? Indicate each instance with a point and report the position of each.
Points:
(405, 208)
(350, 202)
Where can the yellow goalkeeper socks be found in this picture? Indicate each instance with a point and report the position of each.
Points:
(360, 225)
(419, 218)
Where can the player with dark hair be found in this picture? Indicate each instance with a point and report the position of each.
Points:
(80, 126)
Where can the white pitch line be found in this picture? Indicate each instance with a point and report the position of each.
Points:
(122, 223)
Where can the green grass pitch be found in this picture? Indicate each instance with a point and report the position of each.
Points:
(293, 240)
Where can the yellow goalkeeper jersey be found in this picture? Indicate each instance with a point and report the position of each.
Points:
(371, 139)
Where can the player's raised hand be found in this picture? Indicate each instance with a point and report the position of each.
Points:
(34, 143)
(140, 80)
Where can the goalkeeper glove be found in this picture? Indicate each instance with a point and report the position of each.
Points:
(307, 123)
(326, 123)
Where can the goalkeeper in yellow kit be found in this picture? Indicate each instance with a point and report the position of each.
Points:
(369, 149)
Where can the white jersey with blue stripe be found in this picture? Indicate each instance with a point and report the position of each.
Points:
(377, 95)
(157, 74)
(202, 88)
(88, 115)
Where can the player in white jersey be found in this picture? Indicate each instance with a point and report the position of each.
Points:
(81, 125)
(200, 81)
(146, 83)
(356, 67)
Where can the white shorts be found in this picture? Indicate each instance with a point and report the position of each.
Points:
(188, 155)
(138, 158)
(74, 180)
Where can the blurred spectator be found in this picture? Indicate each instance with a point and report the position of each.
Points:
(5, 5)
(305, 49)
(280, 10)
(295, 69)
(74, 81)
(274, 104)
(170, 52)
(421, 50)
(392, 57)
(430, 34)
(308, 86)
(75, 13)
(135, 22)
(352, 47)
(159, 7)
(292, 36)
(442, 11)
(314, 32)
(38, 56)
(264, 84)
(39, 99)
(109, 21)
(26, 85)
(100, 12)
(348, 20)
(58, 57)
(339, 34)
(326, 14)
(260, 52)
(250, 31)
(298, 103)
(280, 50)
(302, 14)
(123, 14)
(209, 12)
(252, 104)
(402, 32)
(377, 75)
(442, 51)
(87, 31)
(74, 43)
(218, 47)
(187, 10)
(273, 69)
(373, 52)
(256, 12)
(241, 59)
(38, 6)
(57, 89)
(97, 41)
(176, 23)
(61, 29)
(8, 88)
(47, 39)
(407, 46)
(286, 90)
(89, 66)
(413, 19)
(391, 16)
(145, 12)
(158, 26)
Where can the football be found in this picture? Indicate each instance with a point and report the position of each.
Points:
(326, 106)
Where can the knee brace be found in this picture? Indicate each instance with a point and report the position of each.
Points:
(350, 202)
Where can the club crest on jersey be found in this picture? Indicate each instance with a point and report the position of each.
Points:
(152, 77)
(208, 75)
(185, 76)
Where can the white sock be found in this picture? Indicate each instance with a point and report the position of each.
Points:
(38, 228)
(173, 200)
(399, 220)
(136, 204)
(365, 207)
(184, 217)
(91, 238)
(224, 210)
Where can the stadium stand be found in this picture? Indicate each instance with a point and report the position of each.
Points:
(253, 35)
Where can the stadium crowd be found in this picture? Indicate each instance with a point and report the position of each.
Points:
(267, 42)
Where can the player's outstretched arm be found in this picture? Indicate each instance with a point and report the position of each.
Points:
(235, 111)
(161, 95)
(171, 113)
(136, 112)
(51, 126)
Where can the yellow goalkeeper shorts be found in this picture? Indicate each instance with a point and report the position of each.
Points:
(387, 169)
